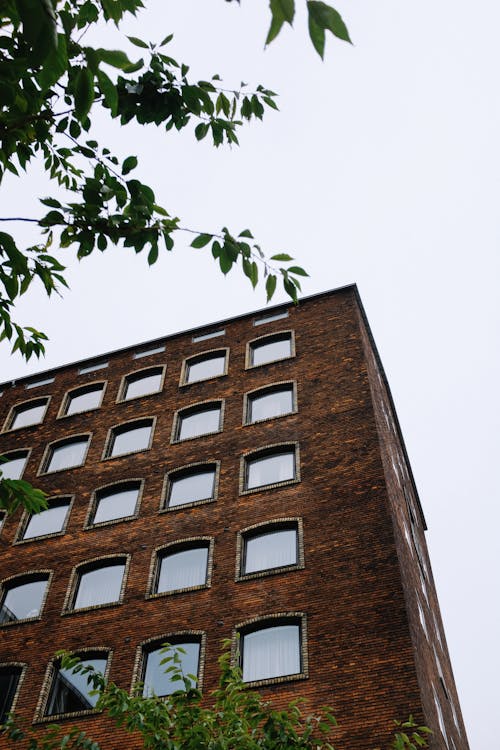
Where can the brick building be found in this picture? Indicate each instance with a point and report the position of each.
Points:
(249, 477)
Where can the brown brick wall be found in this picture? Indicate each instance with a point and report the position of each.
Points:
(354, 588)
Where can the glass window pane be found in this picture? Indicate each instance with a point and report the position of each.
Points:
(270, 404)
(28, 414)
(181, 570)
(142, 385)
(70, 692)
(192, 487)
(9, 680)
(267, 351)
(99, 586)
(271, 469)
(157, 682)
(116, 503)
(84, 400)
(208, 367)
(67, 455)
(131, 440)
(48, 521)
(270, 318)
(272, 652)
(22, 601)
(273, 549)
(14, 466)
(199, 423)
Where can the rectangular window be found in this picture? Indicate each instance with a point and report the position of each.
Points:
(270, 349)
(205, 366)
(37, 383)
(182, 569)
(50, 521)
(271, 652)
(99, 585)
(30, 413)
(93, 368)
(116, 502)
(129, 438)
(146, 352)
(142, 383)
(157, 681)
(13, 467)
(9, 681)
(269, 318)
(211, 335)
(23, 600)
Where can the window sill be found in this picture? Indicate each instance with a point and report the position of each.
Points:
(265, 487)
(268, 572)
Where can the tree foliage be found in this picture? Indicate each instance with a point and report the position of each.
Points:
(51, 86)
(232, 717)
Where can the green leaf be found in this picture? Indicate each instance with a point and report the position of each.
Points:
(281, 256)
(51, 202)
(297, 271)
(55, 65)
(84, 93)
(281, 11)
(201, 130)
(270, 286)
(166, 40)
(153, 255)
(317, 35)
(109, 91)
(201, 240)
(117, 59)
(129, 164)
(138, 42)
(323, 17)
(246, 233)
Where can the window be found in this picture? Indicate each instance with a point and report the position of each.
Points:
(71, 692)
(198, 420)
(10, 677)
(182, 566)
(440, 716)
(156, 680)
(66, 454)
(37, 383)
(3, 516)
(272, 651)
(270, 318)
(146, 352)
(142, 383)
(23, 598)
(92, 368)
(275, 465)
(421, 617)
(99, 583)
(270, 349)
(50, 521)
(204, 366)
(14, 465)
(29, 413)
(195, 484)
(269, 547)
(211, 335)
(83, 399)
(115, 502)
(129, 438)
(267, 403)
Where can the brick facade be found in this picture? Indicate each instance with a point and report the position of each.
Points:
(360, 585)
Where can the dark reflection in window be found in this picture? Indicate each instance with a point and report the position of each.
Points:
(23, 600)
(9, 680)
(156, 681)
(71, 692)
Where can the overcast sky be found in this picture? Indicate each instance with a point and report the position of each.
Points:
(382, 168)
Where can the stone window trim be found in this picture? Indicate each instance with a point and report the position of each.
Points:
(269, 388)
(17, 453)
(13, 409)
(276, 335)
(26, 577)
(208, 335)
(272, 524)
(264, 451)
(193, 407)
(200, 356)
(42, 471)
(24, 668)
(109, 438)
(149, 352)
(179, 545)
(174, 638)
(88, 524)
(270, 317)
(185, 469)
(90, 386)
(83, 567)
(153, 369)
(94, 366)
(276, 619)
(27, 516)
(39, 716)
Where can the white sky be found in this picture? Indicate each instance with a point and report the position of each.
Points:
(383, 167)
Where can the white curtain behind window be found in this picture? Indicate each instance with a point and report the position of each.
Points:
(271, 652)
(181, 570)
